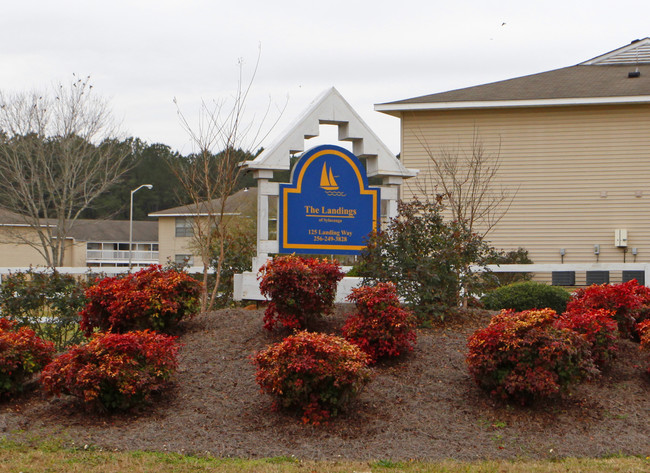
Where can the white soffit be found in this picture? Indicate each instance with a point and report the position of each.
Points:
(388, 108)
(330, 108)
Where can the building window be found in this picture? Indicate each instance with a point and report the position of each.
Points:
(184, 260)
(184, 227)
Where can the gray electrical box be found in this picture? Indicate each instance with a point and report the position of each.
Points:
(620, 238)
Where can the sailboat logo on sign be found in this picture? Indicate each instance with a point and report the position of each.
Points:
(328, 183)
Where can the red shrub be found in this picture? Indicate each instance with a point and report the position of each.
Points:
(313, 372)
(523, 355)
(298, 289)
(380, 326)
(22, 354)
(113, 371)
(643, 329)
(598, 327)
(628, 301)
(152, 298)
(644, 332)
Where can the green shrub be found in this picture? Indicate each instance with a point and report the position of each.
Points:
(527, 295)
(48, 303)
(313, 372)
(428, 258)
(493, 280)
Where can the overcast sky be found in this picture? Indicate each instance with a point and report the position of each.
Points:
(141, 54)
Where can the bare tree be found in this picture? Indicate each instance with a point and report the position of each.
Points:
(58, 152)
(209, 176)
(468, 178)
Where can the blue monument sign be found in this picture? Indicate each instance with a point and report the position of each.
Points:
(328, 207)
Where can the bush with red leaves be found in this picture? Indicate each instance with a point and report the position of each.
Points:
(22, 354)
(524, 356)
(315, 373)
(113, 371)
(150, 299)
(380, 326)
(628, 301)
(298, 288)
(643, 329)
(597, 327)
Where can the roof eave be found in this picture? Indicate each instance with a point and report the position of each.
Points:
(193, 214)
(395, 108)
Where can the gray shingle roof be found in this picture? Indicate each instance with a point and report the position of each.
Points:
(599, 78)
(114, 230)
(95, 230)
(242, 201)
(569, 82)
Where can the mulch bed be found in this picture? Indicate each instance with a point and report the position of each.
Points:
(423, 406)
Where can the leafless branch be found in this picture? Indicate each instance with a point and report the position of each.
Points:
(210, 175)
(58, 152)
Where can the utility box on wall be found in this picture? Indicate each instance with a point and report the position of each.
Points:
(620, 238)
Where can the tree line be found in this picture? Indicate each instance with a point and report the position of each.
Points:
(156, 164)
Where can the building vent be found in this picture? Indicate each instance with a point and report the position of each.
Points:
(597, 277)
(563, 278)
(638, 275)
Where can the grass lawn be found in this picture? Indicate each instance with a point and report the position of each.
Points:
(51, 457)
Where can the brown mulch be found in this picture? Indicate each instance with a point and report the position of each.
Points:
(423, 406)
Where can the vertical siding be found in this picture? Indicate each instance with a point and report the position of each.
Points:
(581, 173)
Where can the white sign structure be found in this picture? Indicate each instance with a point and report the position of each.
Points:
(330, 108)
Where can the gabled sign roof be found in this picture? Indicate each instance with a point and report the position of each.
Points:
(330, 108)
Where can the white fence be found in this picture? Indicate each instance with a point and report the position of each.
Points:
(247, 286)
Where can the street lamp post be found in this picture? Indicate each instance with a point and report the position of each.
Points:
(148, 186)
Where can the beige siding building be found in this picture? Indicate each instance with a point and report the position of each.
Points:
(90, 243)
(177, 227)
(574, 147)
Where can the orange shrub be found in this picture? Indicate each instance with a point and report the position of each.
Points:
(113, 371)
(380, 326)
(152, 298)
(313, 372)
(524, 356)
(22, 354)
(299, 288)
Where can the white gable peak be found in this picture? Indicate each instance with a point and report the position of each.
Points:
(330, 108)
